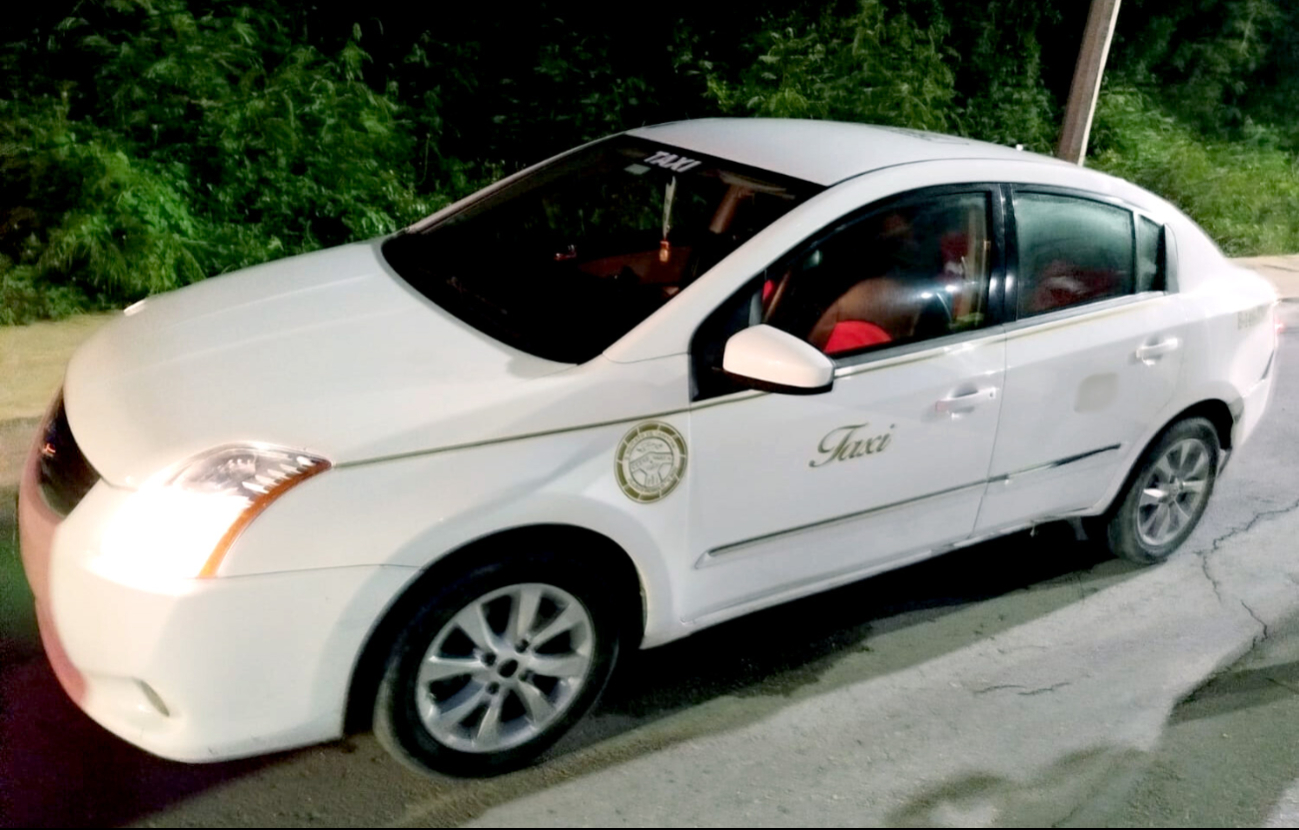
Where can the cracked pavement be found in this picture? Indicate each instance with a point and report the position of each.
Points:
(1025, 681)
(1075, 715)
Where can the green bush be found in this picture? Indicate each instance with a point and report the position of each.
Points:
(1001, 94)
(872, 66)
(208, 144)
(1244, 193)
(102, 227)
(146, 144)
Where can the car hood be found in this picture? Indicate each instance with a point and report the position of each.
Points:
(328, 352)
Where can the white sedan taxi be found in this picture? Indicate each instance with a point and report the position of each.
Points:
(439, 481)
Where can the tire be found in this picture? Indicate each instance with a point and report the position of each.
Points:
(465, 691)
(1166, 495)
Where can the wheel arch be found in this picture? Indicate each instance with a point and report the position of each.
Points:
(596, 549)
(1216, 411)
(1118, 523)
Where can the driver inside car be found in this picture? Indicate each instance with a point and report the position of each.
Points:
(920, 288)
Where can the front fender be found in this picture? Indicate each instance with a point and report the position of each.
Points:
(412, 512)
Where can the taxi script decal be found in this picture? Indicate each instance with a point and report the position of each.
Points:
(847, 443)
(671, 161)
(650, 461)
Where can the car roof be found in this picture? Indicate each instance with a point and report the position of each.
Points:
(822, 152)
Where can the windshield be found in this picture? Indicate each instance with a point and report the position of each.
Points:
(566, 260)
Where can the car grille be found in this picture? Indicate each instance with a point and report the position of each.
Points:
(66, 476)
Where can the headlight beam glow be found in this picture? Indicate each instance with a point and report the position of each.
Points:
(181, 524)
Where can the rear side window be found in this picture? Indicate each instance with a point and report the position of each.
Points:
(1072, 251)
(1150, 256)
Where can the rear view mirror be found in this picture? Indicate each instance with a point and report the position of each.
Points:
(764, 357)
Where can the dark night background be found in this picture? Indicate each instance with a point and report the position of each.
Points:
(145, 145)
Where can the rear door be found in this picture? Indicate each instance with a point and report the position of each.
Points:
(1093, 351)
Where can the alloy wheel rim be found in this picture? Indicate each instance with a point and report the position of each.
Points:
(1174, 492)
(504, 668)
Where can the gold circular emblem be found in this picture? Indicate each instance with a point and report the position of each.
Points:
(650, 462)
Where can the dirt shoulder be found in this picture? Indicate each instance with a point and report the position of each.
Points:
(32, 360)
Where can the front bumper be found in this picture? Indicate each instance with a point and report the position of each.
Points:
(194, 670)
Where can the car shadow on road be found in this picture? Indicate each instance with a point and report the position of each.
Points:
(1240, 689)
(1228, 756)
(779, 652)
(60, 769)
(57, 768)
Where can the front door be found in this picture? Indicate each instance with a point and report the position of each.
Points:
(793, 492)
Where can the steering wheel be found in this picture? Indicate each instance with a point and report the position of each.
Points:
(935, 318)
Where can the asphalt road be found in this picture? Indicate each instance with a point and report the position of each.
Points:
(1028, 681)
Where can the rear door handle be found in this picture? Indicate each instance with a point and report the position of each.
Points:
(967, 401)
(1151, 352)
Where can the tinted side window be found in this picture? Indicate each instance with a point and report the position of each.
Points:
(904, 274)
(1150, 256)
(1071, 251)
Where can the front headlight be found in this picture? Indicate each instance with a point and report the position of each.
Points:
(182, 523)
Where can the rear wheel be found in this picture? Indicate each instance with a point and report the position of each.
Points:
(496, 666)
(1167, 495)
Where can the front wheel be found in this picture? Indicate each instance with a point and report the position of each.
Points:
(495, 667)
(1167, 495)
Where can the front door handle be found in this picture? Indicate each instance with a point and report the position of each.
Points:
(1151, 352)
(966, 401)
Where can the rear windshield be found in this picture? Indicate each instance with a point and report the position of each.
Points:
(568, 259)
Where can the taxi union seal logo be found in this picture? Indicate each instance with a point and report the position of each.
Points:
(650, 462)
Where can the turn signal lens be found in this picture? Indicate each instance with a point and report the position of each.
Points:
(253, 476)
(183, 524)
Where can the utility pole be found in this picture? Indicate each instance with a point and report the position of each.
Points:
(1087, 80)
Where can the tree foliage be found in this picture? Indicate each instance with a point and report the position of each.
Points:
(872, 65)
(199, 144)
(146, 144)
(1244, 193)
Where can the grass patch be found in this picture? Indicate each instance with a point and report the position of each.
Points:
(18, 635)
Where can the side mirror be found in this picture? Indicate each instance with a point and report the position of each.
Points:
(767, 358)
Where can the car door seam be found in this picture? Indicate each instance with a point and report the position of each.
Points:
(1050, 465)
(712, 555)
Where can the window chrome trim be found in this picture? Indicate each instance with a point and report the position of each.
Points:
(915, 352)
(1011, 288)
(1080, 313)
(1076, 193)
(1171, 283)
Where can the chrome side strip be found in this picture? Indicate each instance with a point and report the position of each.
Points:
(708, 557)
(505, 439)
(1051, 465)
(804, 587)
(735, 397)
(1073, 315)
(711, 556)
